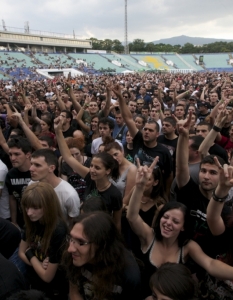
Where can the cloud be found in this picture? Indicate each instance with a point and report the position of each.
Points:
(149, 19)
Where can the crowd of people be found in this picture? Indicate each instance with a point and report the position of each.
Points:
(117, 187)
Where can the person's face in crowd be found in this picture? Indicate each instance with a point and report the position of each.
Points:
(231, 132)
(208, 177)
(102, 106)
(169, 103)
(81, 249)
(158, 296)
(57, 111)
(117, 155)
(140, 104)
(39, 169)
(43, 106)
(18, 157)
(193, 154)
(119, 119)
(101, 149)
(52, 105)
(20, 100)
(179, 112)
(132, 106)
(76, 153)
(156, 92)
(104, 130)
(154, 113)
(128, 138)
(145, 113)
(65, 120)
(167, 113)
(93, 108)
(34, 214)
(167, 128)
(213, 98)
(139, 123)
(94, 124)
(150, 184)
(44, 144)
(142, 91)
(172, 223)
(191, 109)
(64, 97)
(202, 130)
(149, 133)
(193, 120)
(44, 126)
(202, 109)
(98, 170)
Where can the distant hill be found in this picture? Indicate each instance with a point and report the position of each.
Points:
(183, 39)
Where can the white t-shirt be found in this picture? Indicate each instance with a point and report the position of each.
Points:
(68, 197)
(4, 199)
(97, 142)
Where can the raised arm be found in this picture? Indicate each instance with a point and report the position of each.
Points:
(3, 142)
(106, 109)
(182, 152)
(75, 103)
(214, 133)
(33, 140)
(65, 152)
(214, 209)
(85, 127)
(141, 229)
(60, 103)
(126, 114)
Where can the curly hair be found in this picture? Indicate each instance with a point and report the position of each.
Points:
(109, 260)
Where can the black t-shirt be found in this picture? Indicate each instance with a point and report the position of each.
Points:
(11, 280)
(128, 288)
(191, 196)
(128, 153)
(146, 155)
(16, 182)
(68, 132)
(220, 151)
(112, 196)
(54, 253)
(10, 238)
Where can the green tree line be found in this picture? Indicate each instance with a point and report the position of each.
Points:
(138, 45)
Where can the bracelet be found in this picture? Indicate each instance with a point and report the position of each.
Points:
(217, 199)
(216, 128)
(29, 254)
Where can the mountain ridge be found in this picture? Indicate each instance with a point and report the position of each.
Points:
(183, 39)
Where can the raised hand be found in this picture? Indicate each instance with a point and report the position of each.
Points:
(144, 173)
(58, 122)
(226, 175)
(183, 126)
(117, 90)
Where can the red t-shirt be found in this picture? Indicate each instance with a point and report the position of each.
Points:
(225, 143)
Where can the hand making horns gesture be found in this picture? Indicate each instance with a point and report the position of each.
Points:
(144, 172)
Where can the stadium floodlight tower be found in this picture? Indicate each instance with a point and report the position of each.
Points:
(126, 50)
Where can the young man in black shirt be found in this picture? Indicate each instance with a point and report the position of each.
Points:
(19, 176)
(196, 197)
(145, 145)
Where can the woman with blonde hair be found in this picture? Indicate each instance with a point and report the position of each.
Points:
(43, 242)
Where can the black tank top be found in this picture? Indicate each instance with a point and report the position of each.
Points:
(150, 269)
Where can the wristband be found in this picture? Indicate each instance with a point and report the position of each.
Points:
(217, 199)
(216, 128)
(29, 254)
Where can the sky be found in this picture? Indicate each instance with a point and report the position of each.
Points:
(149, 20)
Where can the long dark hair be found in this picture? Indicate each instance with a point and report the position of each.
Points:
(109, 260)
(109, 163)
(158, 190)
(185, 235)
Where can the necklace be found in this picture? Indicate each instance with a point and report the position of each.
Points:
(104, 188)
(144, 202)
